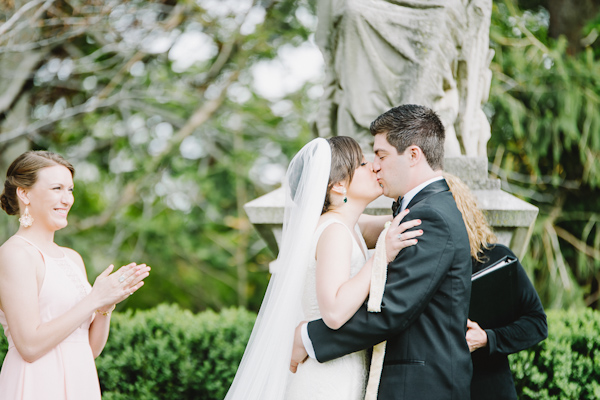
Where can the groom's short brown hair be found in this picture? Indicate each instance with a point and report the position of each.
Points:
(410, 124)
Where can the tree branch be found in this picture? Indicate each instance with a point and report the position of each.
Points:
(560, 262)
(20, 12)
(91, 105)
(578, 244)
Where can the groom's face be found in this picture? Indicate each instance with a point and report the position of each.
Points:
(392, 169)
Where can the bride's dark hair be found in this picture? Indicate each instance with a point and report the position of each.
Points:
(346, 156)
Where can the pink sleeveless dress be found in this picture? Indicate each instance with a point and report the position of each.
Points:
(68, 370)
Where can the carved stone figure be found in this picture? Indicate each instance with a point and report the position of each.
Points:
(383, 53)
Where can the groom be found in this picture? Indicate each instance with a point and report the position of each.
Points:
(424, 310)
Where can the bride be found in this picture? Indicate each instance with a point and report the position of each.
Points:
(323, 271)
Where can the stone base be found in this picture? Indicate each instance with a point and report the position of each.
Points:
(511, 218)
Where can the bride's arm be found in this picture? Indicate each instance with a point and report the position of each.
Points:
(338, 296)
(371, 226)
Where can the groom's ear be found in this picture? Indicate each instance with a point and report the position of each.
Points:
(415, 154)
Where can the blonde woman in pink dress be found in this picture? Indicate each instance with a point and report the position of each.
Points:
(56, 323)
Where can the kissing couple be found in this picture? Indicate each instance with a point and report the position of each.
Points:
(324, 274)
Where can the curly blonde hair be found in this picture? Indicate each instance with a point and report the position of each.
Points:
(479, 231)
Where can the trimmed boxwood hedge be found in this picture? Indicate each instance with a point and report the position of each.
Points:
(567, 364)
(169, 353)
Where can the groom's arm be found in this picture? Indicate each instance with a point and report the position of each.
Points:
(413, 278)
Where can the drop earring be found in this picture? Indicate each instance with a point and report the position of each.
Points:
(345, 198)
(26, 220)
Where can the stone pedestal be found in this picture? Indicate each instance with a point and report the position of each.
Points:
(511, 218)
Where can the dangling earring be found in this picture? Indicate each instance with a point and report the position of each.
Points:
(26, 219)
(345, 198)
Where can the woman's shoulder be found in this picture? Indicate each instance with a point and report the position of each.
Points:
(499, 250)
(332, 239)
(327, 219)
(329, 223)
(492, 253)
(332, 232)
(18, 252)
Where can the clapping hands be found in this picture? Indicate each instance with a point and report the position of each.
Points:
(112, 288)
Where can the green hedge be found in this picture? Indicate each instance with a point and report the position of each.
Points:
(168, 353)
(566, 365)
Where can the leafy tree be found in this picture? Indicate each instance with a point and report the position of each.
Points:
(567, 18)
(154, 103)
(545, 146)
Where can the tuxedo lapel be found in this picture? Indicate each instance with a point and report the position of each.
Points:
(431, 189)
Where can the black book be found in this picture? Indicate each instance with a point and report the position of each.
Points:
(494, 296)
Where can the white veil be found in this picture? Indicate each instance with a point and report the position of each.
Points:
(264, 371)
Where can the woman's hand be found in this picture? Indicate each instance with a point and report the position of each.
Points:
(397, 238)
(476, 337)
(110, 289)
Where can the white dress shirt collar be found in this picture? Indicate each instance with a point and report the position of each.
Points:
(413, 192)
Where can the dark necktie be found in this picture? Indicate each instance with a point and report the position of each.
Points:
(396, 206)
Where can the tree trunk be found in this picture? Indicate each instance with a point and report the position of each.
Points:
(568, 17)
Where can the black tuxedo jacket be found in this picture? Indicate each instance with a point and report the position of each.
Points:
(424, 310)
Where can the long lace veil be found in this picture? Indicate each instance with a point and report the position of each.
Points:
(264, 371)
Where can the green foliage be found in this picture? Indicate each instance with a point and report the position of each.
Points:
(3, 348)
(168, 353)
(167, 153)
(567, 364)
(545, 146)
(545, 101)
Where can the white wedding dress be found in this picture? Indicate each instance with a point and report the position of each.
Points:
(343, 378)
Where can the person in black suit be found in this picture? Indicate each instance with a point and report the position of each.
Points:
(492, 378)
(426, 300)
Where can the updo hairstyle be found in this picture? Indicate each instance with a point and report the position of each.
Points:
(346, 156)
(23, 173)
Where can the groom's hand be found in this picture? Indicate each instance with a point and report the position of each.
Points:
(299, 354)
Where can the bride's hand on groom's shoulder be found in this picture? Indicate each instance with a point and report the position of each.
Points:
(299, 354)
(400, 235)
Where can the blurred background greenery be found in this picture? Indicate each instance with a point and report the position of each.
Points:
(175, 113)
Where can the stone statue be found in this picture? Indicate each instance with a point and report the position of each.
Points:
(383, 53)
